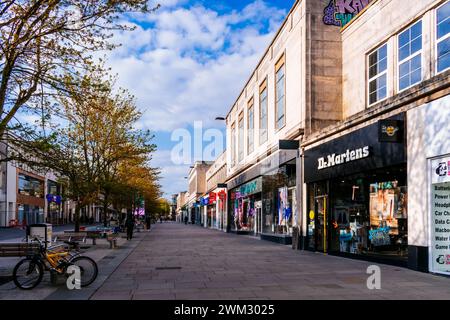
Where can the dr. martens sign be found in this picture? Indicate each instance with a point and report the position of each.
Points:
(334, 159)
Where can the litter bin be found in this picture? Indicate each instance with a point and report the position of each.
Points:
(43, 231)
(295, 237)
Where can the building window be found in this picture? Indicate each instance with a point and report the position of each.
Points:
(233, 145)
(250, 127)
(443, 37)
(241, 137)
(52, 187)
(29, 186)
(280, 85)
(410, 56)
(263, 112)
(378, 74)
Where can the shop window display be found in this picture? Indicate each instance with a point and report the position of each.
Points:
(279, 200)
(243, 201)
(244, 213)
(369, 218)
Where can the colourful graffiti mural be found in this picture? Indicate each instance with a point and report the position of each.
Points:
(341, 12)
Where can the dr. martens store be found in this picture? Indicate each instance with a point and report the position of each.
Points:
(357, 194)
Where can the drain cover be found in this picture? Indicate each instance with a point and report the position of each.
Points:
(168, 268)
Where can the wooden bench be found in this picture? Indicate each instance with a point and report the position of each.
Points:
(19, 249)
(71, 236)
(93, 235)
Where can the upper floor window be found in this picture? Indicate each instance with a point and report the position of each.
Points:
(233, 144)
(443, 37)
(280, 85)
(250, 127)
(263, 112)
(53, 187)
(378, 74)
(410, 56)
(241, 137)
(29, 186)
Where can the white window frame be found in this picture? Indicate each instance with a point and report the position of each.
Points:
(385, 72)
(233, 144)
(250, 131)
(241, 137)
(282, 66)
(410, 57)
(266, 135)
(439, 40)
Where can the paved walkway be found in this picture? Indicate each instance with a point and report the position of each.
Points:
(176, 261)
(107, 260)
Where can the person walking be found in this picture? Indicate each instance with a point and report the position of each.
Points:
(185, 219)
(148, 222)
(129, 224)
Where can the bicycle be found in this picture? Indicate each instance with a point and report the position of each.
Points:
(28, 272)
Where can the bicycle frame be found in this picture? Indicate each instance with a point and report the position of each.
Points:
(54, 260)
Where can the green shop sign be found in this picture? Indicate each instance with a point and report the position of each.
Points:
(249, 188)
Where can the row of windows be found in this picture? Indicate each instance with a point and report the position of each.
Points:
(410, 72)
(410, 55)
(280, 115)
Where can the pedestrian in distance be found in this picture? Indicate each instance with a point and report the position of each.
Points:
(129, 224)
(148, 222)
(185, 219)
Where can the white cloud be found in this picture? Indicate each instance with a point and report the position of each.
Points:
(191, 63)
(172, 175)
(185, 65)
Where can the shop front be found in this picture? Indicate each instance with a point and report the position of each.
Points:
(205, 210)
(216, 209)
(429, 186)
(221, 207)
(279, 203)
(211, 214)
(357, 194)
(263, 199)
(30, 199)
(246, 207)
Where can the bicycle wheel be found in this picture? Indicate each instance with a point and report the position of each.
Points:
(88, 269)
(28, 273)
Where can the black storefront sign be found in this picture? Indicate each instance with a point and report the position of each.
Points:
(355, 152)
(390, 130)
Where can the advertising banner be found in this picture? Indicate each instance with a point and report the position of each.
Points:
(440, 216)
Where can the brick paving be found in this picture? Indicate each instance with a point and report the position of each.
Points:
(176, 261)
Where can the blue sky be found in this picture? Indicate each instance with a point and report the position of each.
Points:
(188, 62)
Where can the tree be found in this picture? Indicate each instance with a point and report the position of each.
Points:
(101, 124)
(94, 142)
(41, 41)
(136, 179)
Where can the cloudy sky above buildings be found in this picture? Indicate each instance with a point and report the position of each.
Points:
(188, 62)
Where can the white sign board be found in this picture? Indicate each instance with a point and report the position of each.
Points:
(440, 216)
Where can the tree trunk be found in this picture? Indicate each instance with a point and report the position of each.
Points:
(105, 210)
(77, 217)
